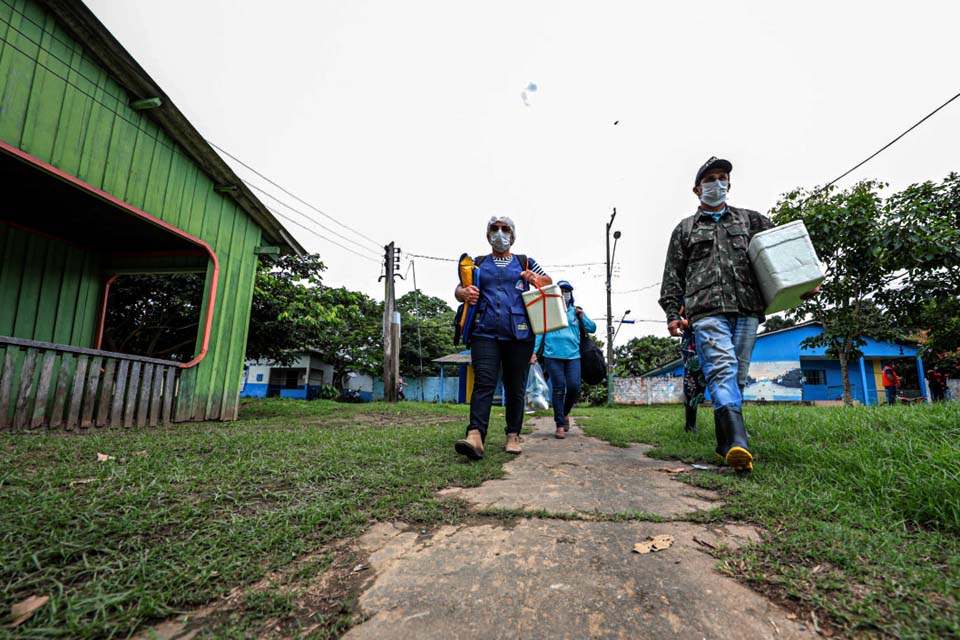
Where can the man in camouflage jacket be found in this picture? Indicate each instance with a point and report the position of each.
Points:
(707, 269)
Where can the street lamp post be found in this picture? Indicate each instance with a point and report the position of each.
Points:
(610, 332)
(623, 319)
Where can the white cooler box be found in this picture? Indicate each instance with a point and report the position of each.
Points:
(785, 265)
(552, 300)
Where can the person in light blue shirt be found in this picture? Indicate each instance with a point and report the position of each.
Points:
(561, 359)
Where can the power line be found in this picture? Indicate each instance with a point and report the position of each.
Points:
(889, 144)
(417, 255)
(582, 264)
(313, 220)
(321, 236)
(292, 195)
(649, 286)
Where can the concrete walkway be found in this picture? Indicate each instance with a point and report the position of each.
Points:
(569, 577)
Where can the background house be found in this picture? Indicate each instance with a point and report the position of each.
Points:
(104, 177)
(782, 370)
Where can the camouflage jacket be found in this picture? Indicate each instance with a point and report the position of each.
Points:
(709, 271)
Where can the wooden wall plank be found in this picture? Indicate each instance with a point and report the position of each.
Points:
(238, 343)
(90, 393)
(106, 392)
(116, 409)
(133, 388)
(67, 365)
(43, 389)
(21, 417)
(76, 392)
(155, 392)
(169, 393)
(7, 376)
(143, 401)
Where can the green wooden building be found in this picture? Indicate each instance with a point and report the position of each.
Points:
(103, 176)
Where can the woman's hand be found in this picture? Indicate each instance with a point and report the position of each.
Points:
(469, 294)
(533, 359)
(535, 279)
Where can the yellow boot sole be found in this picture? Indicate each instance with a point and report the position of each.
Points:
(740, 459)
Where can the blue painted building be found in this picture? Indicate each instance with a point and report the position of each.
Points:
(300, 380)
(782, 370)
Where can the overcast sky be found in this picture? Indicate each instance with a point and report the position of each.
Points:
(405, 120)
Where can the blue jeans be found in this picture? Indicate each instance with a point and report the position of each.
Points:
(488, 357)
(565, 380)
(725, 345)
(891, 394)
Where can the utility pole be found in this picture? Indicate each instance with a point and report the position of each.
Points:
(391, 325)
(610, 333)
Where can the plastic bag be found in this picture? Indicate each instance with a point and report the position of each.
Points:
(538, 393)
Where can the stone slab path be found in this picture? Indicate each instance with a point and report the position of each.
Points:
(566, 578)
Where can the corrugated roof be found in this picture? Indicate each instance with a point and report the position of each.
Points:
(86, 28)
(454, 358)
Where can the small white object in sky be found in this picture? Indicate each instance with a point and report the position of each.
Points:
(525, 95)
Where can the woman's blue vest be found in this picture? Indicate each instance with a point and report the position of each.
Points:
(501, 313)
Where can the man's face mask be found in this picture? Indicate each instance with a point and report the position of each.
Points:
(499, 240)
(714, 193)
(567, 297)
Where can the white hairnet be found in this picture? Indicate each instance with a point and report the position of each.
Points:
(507, 220)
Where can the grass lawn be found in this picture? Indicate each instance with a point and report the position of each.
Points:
(862, 508)
(183, 515)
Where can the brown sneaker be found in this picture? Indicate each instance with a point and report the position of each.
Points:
(513, 443)
(471, 446)
(561, 433)
(566, 423)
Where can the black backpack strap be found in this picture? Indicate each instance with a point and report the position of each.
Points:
(480, 259)
(686, 228)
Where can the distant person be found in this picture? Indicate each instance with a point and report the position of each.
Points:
(891, 382)
(501, 337)
(707, 268)
(561, 359)
(938, 384)
(694, 384)
(400, 394)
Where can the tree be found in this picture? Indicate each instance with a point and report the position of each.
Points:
(156, 316)
(434, 318)
(286, 295)
(775, 323)
(347, 330)
(640, 355)
(848, 229)
(922, 245)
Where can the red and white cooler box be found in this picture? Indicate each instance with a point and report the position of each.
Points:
(545, 309)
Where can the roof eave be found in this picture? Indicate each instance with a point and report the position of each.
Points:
(84, 26)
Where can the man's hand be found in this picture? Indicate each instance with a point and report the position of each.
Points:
(470, 294)
(533, 359)
(579, 311)
(675, 327)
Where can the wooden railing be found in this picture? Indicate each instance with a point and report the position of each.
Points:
(62, 387)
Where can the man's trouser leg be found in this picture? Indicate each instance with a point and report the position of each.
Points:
(718, 358)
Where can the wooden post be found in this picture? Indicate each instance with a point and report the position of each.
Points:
(389, 346)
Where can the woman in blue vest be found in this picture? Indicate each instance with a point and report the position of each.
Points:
(561, 359)
(501, 337)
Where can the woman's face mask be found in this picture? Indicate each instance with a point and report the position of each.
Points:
(714, 193)
(499, 240)
(567, 297)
